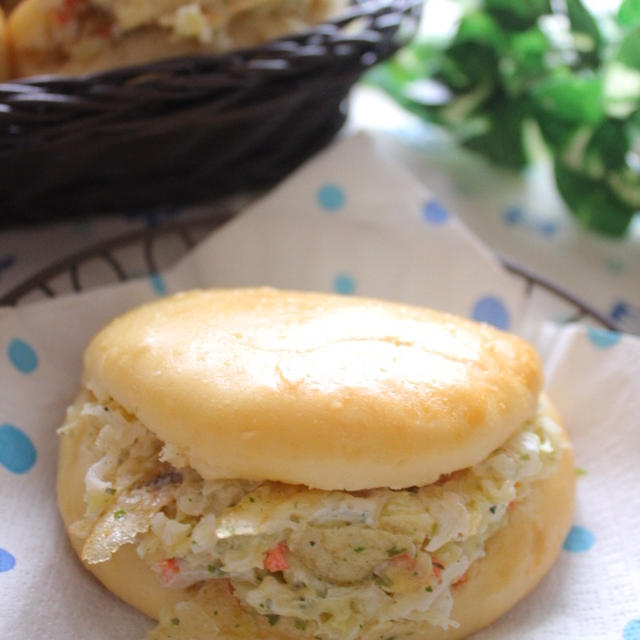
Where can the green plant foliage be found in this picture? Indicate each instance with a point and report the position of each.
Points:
(629, 13)
(515, 62)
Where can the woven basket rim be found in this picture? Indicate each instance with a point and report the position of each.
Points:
(187, 129)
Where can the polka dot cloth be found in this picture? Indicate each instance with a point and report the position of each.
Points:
(7, 561)
(492, 310)
(331, 197)
(17, 453)
(344, 283)
(579, 540)
(22, 356)
(602, 338)
(158, 284)
(632, 630)
(517, 216)
(434, 213)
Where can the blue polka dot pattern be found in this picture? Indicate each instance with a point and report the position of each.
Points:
(17, 452)
(6, 262)
(331, 197)
(615, 265)
(548, 229)
(344, 284)
(579, 540)
(513, 216)
(7, 561)
(492, 310)
(158, 284)
(22, 356)
(434, 213)
(602, 338)
(631, 630)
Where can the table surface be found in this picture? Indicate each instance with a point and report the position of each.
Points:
(518, 215)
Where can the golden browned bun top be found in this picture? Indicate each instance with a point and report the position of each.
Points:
(83, 36)
(327, 391)
(4, 61)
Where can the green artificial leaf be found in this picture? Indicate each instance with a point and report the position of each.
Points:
(398, 73)
(389, 77)
(592, 202)
(503, 139)
(583, 24)
(517, 15)
(571, 98)
(525, 62)
(608, 146)
(597, 153)
(629, 13)
(554, 130)
(625, 184)
(481, 28)
(516, 63)
(528, 48)
(465, 113)
(468, 65)
(621, 90)
(628, 52)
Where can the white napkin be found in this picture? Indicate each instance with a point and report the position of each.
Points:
(350, 222)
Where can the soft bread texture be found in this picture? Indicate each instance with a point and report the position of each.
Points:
(36, 36)
(331, 392)
(4, 51)
(35, 50)
(517, 557)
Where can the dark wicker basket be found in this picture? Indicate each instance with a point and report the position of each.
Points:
(183, 130)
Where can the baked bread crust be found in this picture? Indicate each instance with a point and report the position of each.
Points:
(39, 31)
(4, 50)
(331, 392)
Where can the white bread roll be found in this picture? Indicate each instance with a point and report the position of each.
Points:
(70, 37)
(4, 51)
(337, 393)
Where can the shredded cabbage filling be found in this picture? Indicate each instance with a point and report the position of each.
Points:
(87, 26)
(337, 564)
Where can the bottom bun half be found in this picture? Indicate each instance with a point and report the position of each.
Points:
(517, 557)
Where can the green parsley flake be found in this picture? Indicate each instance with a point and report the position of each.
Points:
(383, 581)
(359, 549)
(175, 621)
(580, 471)
(429, 589)
(110, 490)
(119, 514)
(493, 508)
(394, 551)
(525, 456)
(216, 571)
(273, 619)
